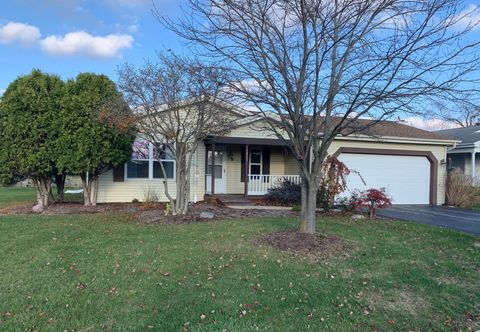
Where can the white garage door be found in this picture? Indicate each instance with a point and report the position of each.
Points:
(406, 178)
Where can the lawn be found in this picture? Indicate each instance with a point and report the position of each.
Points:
(10, 196)
(13, 196)
(105, 272)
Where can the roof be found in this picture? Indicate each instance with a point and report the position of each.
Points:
(466, 135)
(396, 129)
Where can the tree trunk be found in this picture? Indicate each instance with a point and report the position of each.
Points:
(309, 207)
(60, 183)
(44, 190)
(303, 218)
(87, 187)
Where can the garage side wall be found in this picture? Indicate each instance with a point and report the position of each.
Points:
(439, 151)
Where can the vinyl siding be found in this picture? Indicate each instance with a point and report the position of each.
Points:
(131, 189)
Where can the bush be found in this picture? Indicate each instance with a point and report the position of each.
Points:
(460, 190)
(150, 195)
(286, 193)
(373, 199)
(348, 204)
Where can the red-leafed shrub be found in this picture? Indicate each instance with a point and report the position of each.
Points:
(334, 181)
(373, 199)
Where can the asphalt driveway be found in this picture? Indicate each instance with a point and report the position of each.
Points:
(463, 220)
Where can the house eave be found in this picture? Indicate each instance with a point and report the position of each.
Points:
(395, 139)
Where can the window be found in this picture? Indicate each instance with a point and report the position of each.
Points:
(145, 162)
(137, 167)
(256, 162)
(161, 156)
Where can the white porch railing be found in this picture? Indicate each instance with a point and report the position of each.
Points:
(259, 184)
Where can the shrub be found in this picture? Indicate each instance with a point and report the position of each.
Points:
(348, 204)
(460, 190)
(373, 199)
(297, 208)
(286, 193)
(334, 181)
(150, 195)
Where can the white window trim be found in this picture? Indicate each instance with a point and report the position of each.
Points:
(150, 167)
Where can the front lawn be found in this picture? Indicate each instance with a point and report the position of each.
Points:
(104, 272)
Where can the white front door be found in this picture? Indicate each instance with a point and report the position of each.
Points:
(220, 171)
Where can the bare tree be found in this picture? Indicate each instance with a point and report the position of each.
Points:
(463, 113)
(320, 65)
(175, 100)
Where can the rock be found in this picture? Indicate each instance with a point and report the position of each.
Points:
(357, 217)
(37, 208)
(132, 210)
(207, 215)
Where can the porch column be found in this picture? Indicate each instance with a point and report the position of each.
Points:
(213, 169)
(474, 173)
(247, 168)
(206, 165)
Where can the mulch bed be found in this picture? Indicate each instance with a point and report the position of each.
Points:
(220, 212)
(292, 240)
(67, 208)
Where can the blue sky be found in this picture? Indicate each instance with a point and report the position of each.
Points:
(66, 37)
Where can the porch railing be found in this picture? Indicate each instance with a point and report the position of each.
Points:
(259, 184)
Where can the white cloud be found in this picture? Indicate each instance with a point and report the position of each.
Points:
(15, 32)
(2, 91)
(429, 124)
(82, 43)
(469, 18)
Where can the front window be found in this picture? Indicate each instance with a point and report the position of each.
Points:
(138, 166)
(162, 157)
(146, 159)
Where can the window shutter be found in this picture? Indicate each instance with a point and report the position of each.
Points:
(119, 173)
(243, 167)
(266, 161)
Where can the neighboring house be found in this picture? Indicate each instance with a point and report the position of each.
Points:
(465, 155)
(409, 162)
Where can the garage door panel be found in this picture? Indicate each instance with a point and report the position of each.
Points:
(406, 178)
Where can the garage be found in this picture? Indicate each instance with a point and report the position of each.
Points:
(407, 178)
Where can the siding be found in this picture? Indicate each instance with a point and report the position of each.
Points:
(130, 189)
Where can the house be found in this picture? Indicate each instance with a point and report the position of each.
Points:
(465, 156)
(409, 162)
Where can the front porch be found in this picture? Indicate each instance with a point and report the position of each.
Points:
(248, 167)
(467, 161)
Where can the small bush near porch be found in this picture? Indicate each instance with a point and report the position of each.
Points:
(106, 272)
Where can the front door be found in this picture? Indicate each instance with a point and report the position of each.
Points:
(219, 170)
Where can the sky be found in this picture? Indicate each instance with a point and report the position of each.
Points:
(66, 37)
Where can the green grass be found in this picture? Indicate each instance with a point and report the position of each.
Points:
(10, 196)
(14, 196)
(104, 272)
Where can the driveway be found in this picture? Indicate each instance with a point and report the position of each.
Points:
(454, 218)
